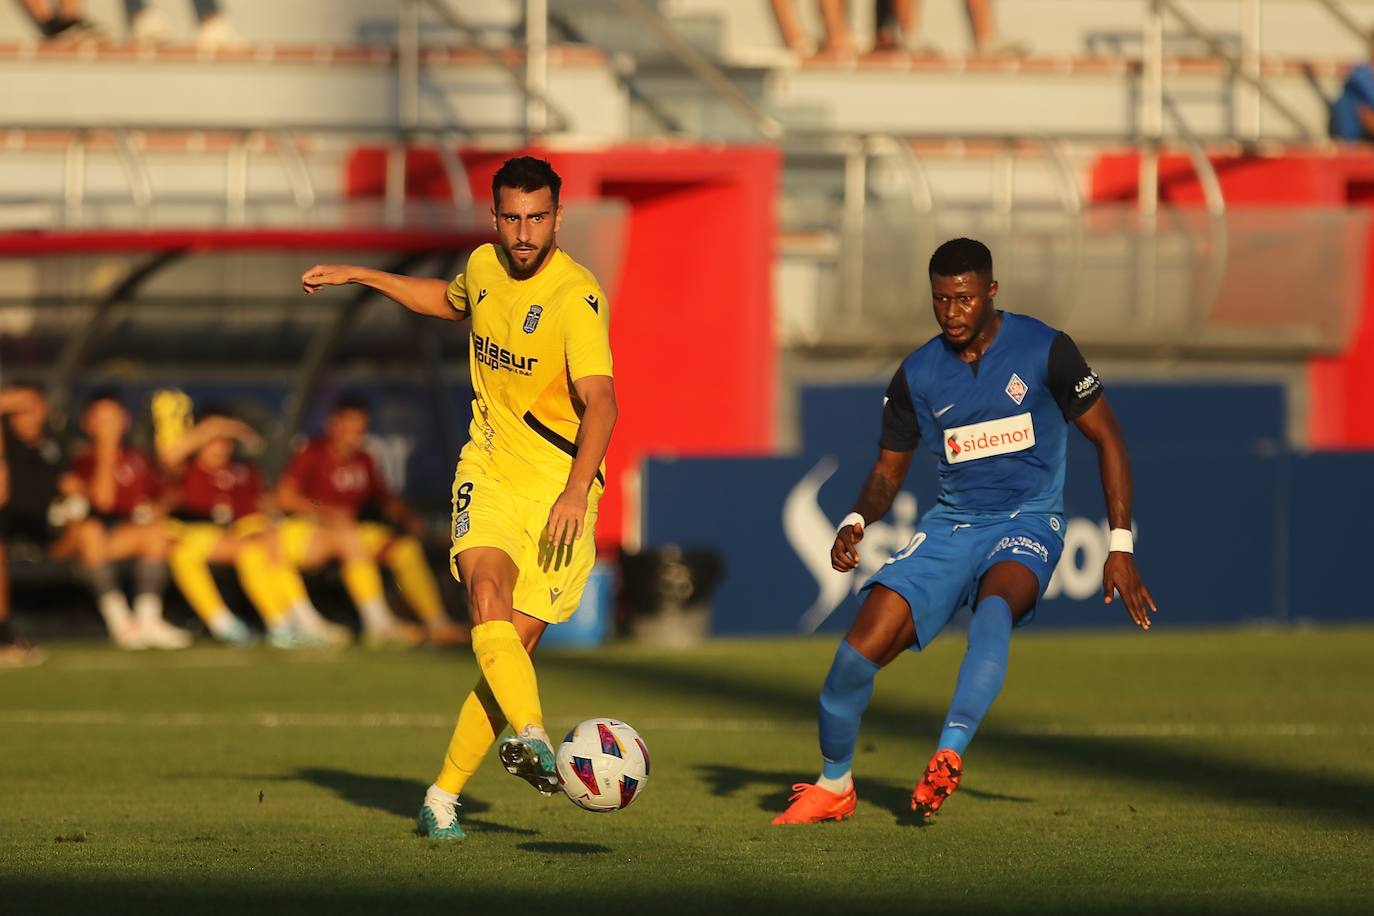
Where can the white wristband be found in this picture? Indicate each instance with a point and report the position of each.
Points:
(852, 518)
(1120, 541)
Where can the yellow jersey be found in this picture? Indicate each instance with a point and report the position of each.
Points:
(531, 339)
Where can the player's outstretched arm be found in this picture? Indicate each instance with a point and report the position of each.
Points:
(875, 498)
(422, 295)
(1120, 576)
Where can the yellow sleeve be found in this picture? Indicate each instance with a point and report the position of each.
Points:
(586, 333)
(458, 294)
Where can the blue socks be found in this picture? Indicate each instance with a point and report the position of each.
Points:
(980, 675)
(848, 687)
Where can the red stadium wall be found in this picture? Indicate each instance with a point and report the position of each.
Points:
(692, 309)
(1341, 405)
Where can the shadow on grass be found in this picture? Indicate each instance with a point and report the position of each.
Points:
(552, 848)
(724, 781)
(1159, 769)
(398, 796)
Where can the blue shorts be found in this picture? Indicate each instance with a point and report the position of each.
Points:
(938, 571)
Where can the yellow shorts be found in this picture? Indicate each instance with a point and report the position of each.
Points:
(298, 530)
(198, 538)
(490, 512)
(203, 537)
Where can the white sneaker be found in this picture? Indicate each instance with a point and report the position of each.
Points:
(150, 27)
(401, 634)
(128, 635)
(216, 34)
(159, 634)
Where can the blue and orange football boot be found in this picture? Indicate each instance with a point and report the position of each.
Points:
(810, 804)
(938, 782)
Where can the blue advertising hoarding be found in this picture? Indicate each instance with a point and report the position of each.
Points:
(1230, 525)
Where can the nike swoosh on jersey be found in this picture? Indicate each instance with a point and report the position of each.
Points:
(942, 411)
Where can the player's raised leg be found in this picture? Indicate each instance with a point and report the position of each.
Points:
(479, 722)
(490, 575)
(883, 630)
(1006, 592)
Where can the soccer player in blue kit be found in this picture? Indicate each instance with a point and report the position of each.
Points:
(992, 395)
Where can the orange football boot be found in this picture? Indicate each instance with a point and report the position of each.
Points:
(812, 804)
(938, 782)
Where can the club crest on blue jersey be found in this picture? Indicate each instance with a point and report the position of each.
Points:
(532, 318)
(1016, 389)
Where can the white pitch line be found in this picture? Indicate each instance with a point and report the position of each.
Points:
(95, 717)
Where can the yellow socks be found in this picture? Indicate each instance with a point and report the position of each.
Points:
(508, 671)
(364, 583)
(415, 579)
(187, 561)
(479, 722)
(258, 576)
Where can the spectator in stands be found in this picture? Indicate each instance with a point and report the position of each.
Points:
(148, 25)
(31, 468)
(332, 486)
(60, 19)
(839, 40)
(120, 486)
(895, 24)
(220, 515)
(1352, 114)
(895, 27)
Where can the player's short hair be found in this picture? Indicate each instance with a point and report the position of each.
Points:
(961, 256)
(350, 402)
(105, 394)
(528, 174)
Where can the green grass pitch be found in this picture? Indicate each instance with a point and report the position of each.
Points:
(1178, 771)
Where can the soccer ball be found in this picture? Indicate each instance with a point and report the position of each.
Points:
(603, 765)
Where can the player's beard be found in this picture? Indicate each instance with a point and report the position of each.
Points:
(541, 255)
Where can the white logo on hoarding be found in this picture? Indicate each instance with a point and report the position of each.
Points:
(992, 437)
(811, 534)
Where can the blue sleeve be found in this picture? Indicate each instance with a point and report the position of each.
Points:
(1361, 84)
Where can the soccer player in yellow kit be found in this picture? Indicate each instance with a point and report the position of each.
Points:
(528, 481)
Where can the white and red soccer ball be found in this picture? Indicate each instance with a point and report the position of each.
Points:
(603, 765)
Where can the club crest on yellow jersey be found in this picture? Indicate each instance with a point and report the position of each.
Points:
(532, 319)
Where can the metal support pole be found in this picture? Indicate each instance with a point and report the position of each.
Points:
(1251, 49)
(236, 182)
(394, 191)
(536, 68)
(1147, 185)
(1004, 180)
(74, 179)
(408, 65)
(855, 213)
(1151, 114)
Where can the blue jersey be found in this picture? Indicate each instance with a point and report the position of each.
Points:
(999, 426)
(1345, 111)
